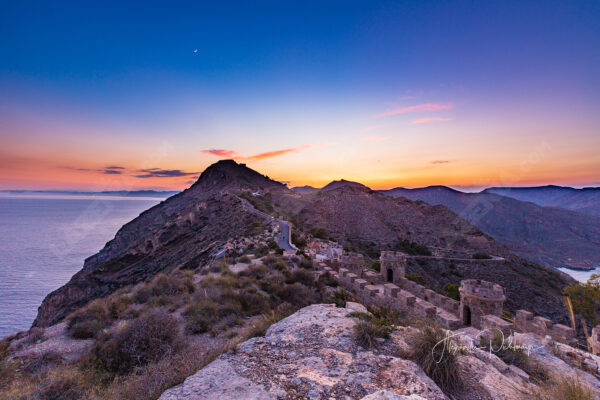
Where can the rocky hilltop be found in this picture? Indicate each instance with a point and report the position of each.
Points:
(183, 231)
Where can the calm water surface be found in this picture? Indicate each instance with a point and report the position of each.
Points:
(44, 241)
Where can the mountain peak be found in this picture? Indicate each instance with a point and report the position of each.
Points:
(341, 183)
(228, 173)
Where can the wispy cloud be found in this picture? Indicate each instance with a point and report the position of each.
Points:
(416, 108)
(163, 173)
(268, 154)
(375, 138)
(110, 170)
(429, 119)
(220, 153)
(275, 153)
(440, 161)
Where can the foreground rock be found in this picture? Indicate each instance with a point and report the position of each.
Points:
(309, 355)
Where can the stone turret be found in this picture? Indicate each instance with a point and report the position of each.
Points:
(479, 298)
(352, 261)
(393, 266)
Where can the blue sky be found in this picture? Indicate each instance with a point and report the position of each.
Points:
(82, 78)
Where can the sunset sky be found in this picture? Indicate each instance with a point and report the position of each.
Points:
(101, 96)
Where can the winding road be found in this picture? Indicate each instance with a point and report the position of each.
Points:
(283, 238)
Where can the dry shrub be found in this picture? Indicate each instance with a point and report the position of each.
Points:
(89, 321)
(561, 388)
(256, 271)
(260, 326)
(429, 349)
(36, 362)
(139, 342)
(302, 276)
(170, 371)
(251, 302)
(62, 384)
(200, 316)
(296, 294)
(171, 285)
(369, 327)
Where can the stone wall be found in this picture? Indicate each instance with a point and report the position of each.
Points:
(483, 299)
(439, 300)
(525, 321)
(390, 295)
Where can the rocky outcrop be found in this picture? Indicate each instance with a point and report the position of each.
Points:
(309, 355)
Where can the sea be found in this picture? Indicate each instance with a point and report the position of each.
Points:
(44, 240)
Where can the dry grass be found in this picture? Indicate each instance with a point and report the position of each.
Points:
(561, 389)
(512, 353)
(145, 336)
(429, 352)
(369, 328)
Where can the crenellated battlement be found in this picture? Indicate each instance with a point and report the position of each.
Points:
(352, 261)
(481, 302)
(484, 290)
(525, 321)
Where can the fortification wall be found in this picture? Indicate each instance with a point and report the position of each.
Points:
(408, 296)
(394, 297)
(439, 300)
(525, 322)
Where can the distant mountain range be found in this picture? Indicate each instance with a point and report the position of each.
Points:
(553, 225)
(586, 200)
(330, 186)
(132, 193)
(552, 236)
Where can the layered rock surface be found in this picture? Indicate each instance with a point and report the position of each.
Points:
(309, 355)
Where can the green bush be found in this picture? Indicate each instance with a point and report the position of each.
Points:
(375, 266)
(451, 290)
(413, 248)
(340, 297)
(416, 278)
